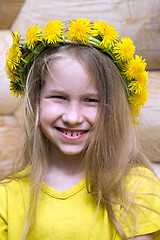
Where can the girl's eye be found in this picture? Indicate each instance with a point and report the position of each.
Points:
(59, 97)
(91, 100)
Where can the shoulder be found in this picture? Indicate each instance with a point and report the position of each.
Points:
(14, 185)
(143, 186)
(13, 193)
(143, 191)
(14, 200)
(138, 208)
(142, 180)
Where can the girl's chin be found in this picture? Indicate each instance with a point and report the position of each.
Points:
(70, 152)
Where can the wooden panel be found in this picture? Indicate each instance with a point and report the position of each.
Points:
(9, 137)
(151, 111)
(138, 19)
(8, 12)
(149, 128)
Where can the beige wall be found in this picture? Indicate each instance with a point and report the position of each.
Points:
(139, 19)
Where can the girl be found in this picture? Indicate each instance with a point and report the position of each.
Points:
(81, 174)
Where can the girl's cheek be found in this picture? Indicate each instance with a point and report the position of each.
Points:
(92, 114)
(52, 106)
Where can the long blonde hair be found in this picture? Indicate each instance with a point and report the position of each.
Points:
(112, 147)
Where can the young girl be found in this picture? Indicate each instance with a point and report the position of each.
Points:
(81, 174)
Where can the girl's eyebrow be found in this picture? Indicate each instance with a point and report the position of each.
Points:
(56, 91)
(90, 94)
(87, 93)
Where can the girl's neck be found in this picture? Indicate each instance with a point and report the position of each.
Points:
(63, 171)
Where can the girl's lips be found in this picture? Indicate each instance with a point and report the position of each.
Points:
(71, 134)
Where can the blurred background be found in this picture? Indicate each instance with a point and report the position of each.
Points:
(138, 19)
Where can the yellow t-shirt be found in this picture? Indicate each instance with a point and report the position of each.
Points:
(73, 214)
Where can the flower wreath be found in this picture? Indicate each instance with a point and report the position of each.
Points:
(99, 34)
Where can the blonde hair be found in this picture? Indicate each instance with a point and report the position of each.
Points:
(112, 146)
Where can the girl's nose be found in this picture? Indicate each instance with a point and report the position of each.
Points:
(72, 115)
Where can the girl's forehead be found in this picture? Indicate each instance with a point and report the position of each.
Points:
(66, 58)
(69, 73)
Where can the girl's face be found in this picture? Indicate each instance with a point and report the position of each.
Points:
(69, 104)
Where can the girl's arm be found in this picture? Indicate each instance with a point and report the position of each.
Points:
(144, 237)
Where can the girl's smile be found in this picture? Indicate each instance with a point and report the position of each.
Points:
(68, 105)
(72, 134)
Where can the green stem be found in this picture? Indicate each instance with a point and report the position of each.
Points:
(95, 40)
(21, 77)
(35, 52)
(117, 62)
(64, 38)
(39, 48)
(95, 43)
(23, 60)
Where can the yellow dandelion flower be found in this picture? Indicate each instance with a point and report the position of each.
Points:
(135, 113)
(33, 36)
(134, 67)
(16, 37)
(13, 56)
(124, 50)
(12, 74)
(53, 32)
(139, 99)
(138, 84)
(16, 89)
(106, 31)
(79, 30)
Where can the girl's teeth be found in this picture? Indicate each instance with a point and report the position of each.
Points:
(75, 134)
(71, 134)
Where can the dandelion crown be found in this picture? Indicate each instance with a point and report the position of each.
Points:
(98, 34)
